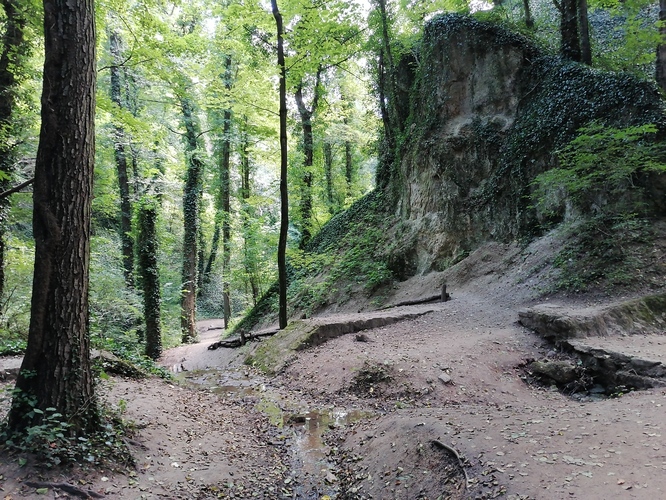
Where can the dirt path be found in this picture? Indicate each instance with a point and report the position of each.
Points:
(520, 440)
(381, 404)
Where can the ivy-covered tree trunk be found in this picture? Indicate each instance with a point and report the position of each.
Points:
(149, 275)
(131, 101)
(386, 90)
(570, 40)
(56, 371)
(120, 141)
(201, 257)
(328, 176)
(308, 160)
(191, 222)
(660, 69)
(223, 199)
(15, 51)
(349, 166)
(284, 194)
(584, 25)
(225, 191)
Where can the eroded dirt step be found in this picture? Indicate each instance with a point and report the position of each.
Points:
(635, 361)
(557, 323)
(617, 346)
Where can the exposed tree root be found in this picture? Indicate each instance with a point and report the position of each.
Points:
(451, 450)
(66, 487)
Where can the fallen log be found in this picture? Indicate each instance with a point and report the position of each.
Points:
(238, 341)
(442, 296)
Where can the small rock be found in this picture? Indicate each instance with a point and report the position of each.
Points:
(445, 378)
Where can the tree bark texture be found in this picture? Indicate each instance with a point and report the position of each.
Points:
(191, 222)
(15, 51)
(660, 70)
(150, 277)
(570, 40)
(584, 26)
(225, 192)
(201, 257)
(56, 368)
(119, 149)
(284, 195)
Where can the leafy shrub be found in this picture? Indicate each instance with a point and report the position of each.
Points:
(600, 169)
(602, 173)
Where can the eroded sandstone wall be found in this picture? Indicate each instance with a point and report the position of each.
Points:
(487, 113)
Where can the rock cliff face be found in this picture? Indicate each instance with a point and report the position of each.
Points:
(487, 113)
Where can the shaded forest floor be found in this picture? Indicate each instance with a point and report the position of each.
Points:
(398, 412)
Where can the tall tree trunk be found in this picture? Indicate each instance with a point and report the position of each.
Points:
(660, 70)
(225, 194)
(308, 161)
(214, 245)
(131, 102)
(225, 187)
(328, 176)
(349, 166)
(191, 222)
(15, 52)
(386, 91)
(150, 277)
(284, 195)
(56, 371)
(570, 40)
(249, 259)
(223, 200)
(584, 25)
(120, 140)
(529, 22)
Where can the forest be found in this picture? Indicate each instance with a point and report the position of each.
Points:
(167, 163)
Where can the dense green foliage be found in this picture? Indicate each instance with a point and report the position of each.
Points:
(605, 170)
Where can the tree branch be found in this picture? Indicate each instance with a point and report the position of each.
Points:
(16, 189)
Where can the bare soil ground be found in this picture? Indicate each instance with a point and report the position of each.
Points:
(432, 407)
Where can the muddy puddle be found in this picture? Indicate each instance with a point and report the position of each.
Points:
(313, 475)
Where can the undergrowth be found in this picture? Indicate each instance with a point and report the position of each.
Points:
(51, 442)
(601, 253)
(347, 258)
(603, 173)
